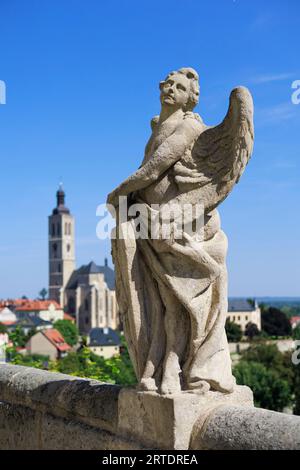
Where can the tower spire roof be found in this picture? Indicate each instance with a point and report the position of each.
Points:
(60, 204)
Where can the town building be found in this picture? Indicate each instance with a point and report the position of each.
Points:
(7, 316)
(29, 322)
(48, 342)
(47, 310)
(295, 321)
(104, 342)
(242, 312)
(87, 293)
(4, 342)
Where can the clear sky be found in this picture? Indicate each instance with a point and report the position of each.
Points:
(81, 78)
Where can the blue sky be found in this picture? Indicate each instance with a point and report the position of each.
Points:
(81, 81)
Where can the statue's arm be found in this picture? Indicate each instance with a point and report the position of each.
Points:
(165, 156)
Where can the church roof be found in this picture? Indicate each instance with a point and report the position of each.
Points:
(240, 305)
(90, 268)
(93, 268)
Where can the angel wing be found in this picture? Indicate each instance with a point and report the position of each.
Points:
(221, 153)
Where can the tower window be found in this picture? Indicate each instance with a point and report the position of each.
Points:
(69, 229)
(86, 304)
(54, 250)
(53, 230)
(66, 229)
(59, 268)
(58, 229)
(68, 247)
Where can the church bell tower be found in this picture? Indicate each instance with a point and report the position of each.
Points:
(61, 248)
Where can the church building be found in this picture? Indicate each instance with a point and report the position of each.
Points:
(87, 293)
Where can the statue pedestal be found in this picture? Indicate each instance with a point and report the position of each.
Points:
(166, 421)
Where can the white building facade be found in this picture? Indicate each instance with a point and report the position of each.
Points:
(242, 312)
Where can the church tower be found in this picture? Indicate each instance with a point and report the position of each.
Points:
(61, 248)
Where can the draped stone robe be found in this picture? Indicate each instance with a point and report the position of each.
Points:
(194, 272)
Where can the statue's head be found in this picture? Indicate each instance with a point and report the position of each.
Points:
(180, 89)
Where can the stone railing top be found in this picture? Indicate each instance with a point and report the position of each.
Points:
(90, 401)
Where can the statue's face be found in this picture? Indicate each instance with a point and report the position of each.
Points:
(175, 91)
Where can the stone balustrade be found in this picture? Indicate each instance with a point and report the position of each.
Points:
(45, 410)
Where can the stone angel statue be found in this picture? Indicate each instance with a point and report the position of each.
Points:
(172, 294)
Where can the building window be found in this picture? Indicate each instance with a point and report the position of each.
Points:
(246, 317)
(54, 250)
(233, 318)
(66, 229)
(86, 304)
(58, 229)
(59, 268)
(68, 247)
(239, 318)
(69, 229)
(86, 320)
(53, 230)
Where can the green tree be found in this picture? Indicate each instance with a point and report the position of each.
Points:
(3, 328)
(43, 293)
(270, 391)
(251, 330)
(272, 359)
(30, 360)
(233, 331)
(296, 332)
(18, 337)
(275, 323)
(69, 331)
(116, 370)
(251, 302)
(263, 307)
(296, 369)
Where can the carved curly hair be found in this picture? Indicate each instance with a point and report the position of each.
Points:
(194, 91)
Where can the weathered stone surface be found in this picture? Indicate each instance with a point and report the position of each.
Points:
(18, 427)
(172, 289)
(22, 428)
(62, 395)
(234, 427)
(166, 421)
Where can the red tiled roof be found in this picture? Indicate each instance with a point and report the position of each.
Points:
(295, 319)
(56, 339)
(29, 305)
(7, 323)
